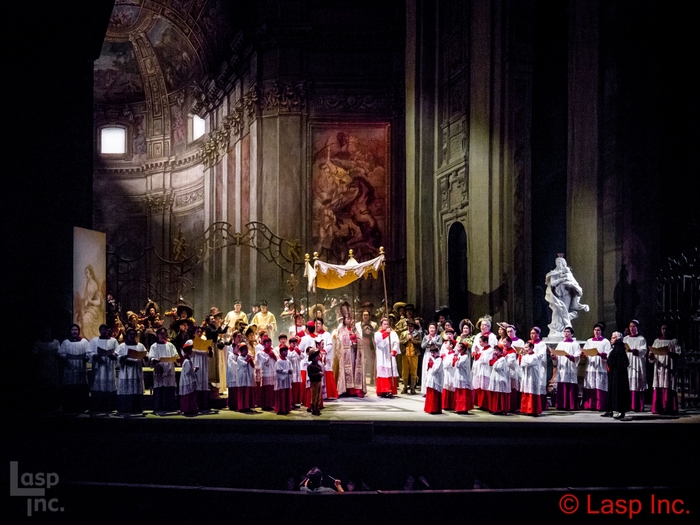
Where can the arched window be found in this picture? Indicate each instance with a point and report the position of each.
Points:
(113, 140)
(198, 127)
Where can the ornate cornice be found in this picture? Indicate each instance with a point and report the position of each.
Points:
(189, 198)
(349, 102)
(144, 169)
(338, 99)
(117, 112)
(158, 202)
(284, 97)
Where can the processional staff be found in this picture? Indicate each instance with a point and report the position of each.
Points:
(386, 304)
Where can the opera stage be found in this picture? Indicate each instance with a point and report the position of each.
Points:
(371, 440)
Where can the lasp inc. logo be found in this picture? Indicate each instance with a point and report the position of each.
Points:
(33, 486)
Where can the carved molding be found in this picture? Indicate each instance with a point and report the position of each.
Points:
(343, 102)
(234, 121)
(113, 113)
(444, 185)
(453, 190)
(158, 202)
(250, 102)
(139, 171)
(158, 127)
(284, 97)
(220, 140)
(189, 198)
(211, 148)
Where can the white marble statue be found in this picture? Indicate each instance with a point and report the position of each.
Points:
(563, 295)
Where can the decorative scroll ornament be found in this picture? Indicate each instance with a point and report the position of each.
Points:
(234, 121)
(353, 102)
(190, 197)
(285, 254)
(285, 97)
(153, 275)
(250, 102)
(215, 144)
(158, 202)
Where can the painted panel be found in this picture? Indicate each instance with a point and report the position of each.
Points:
(349, 188)
(89, 280)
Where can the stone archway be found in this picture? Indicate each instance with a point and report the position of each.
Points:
(457, 272)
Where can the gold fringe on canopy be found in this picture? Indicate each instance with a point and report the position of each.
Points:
(332, 276)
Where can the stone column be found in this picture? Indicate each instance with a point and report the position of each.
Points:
(420, 154)
(479, 231)
(584, 240)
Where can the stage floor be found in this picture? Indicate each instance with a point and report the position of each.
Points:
(409, 408)
(380, 441)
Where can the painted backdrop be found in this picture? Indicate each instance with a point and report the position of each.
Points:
(349, 188)
(89, 280)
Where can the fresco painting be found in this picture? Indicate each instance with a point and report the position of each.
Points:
(349, 188)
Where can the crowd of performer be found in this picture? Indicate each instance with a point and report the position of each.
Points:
(259, 366)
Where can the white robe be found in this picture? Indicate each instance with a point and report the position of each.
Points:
(104, 369)
(540, 350)
(499, 380)
(463, 372)
(188, 378)
(516, 372)
(306, 342)
(427, 340)
(246, 372)
(328, 347)
(386, 363)
(267, 367)
(532, 377)
(201, 360)
(163, 373)
(566, 368)
(434, 377)
(231, 367)
(596, 367)
(283, 379)
(295, 364)
(74, 369)
(481, 370)
(449, 372)
(130, 380)
(664, 364)
(636, 371)
(294, 330)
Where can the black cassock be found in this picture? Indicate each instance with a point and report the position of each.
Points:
(619, 398)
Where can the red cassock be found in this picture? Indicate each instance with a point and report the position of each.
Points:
(464, 401)
(433, 401)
